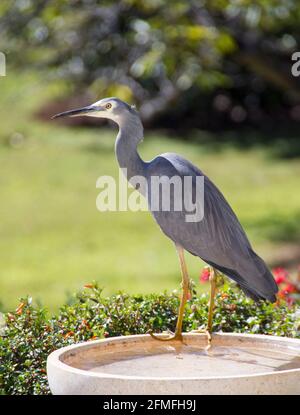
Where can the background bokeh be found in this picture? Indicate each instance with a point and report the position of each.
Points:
(212, 81)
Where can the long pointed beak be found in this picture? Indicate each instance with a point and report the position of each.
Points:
(76, 112)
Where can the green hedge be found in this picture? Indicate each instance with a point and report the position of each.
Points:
(29, 334)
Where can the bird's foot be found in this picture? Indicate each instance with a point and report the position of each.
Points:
(170, 336)
(208, 334)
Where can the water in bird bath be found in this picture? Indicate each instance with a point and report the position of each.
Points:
(175, 359)
(187, 361)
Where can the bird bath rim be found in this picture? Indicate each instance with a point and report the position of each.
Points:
(56, 358)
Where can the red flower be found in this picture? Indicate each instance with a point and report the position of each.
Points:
(285, 292)
(204, 276)
(280, 275)
(289, 288)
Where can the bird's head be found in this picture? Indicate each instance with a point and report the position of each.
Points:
(110, 108)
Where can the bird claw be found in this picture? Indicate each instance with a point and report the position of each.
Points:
(171, 336)
(208, 334)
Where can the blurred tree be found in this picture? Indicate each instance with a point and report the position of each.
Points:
(217, 62)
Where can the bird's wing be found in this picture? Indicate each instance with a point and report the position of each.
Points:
(218, 238)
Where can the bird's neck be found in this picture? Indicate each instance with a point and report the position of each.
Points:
(129, 136)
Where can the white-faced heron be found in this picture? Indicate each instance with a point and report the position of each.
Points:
(218, 238)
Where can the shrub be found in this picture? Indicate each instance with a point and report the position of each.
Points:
(30, 334)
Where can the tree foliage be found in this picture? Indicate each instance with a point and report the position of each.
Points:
(228, 58)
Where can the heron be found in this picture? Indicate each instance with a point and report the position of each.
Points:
(218, 238)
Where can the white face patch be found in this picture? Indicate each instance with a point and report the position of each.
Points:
(106, 109)
(103, 103)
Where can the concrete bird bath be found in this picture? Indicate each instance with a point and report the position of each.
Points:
(236, 364)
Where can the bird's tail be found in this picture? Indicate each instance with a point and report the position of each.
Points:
(261, 286)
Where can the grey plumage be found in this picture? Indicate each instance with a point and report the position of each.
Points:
(219, 238)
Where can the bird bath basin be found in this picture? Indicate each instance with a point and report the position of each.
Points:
(236, 364)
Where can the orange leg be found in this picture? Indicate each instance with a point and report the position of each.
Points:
(184, 296)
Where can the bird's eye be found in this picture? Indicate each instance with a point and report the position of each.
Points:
(108, 106)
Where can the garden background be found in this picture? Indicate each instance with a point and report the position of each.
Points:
(212, 81)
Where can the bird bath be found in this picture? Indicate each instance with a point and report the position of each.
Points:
(236, 364)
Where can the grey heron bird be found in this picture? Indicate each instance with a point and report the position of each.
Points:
(218, 238)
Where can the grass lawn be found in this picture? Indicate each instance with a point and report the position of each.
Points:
(52, 238)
